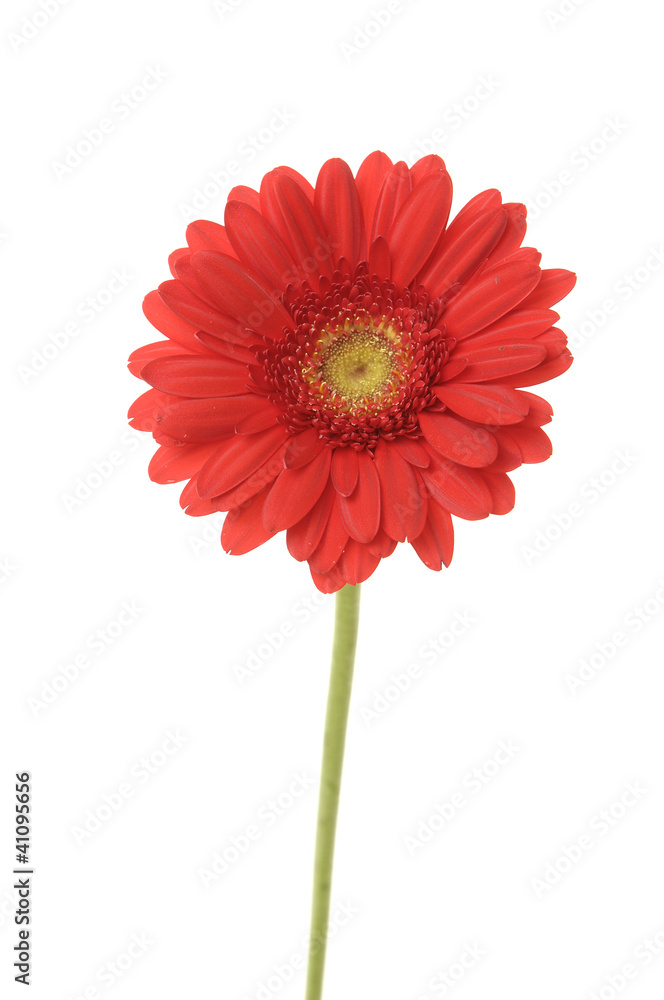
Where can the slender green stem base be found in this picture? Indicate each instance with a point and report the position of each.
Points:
(347, 612)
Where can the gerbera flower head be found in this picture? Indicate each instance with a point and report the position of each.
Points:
(343, 365)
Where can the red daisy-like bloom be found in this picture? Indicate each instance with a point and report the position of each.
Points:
(344, 366)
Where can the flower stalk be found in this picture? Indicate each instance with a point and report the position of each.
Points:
(346, 622)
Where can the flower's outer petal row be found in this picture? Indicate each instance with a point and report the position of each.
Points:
(418, 226)
(295, 491)
(492, 294)
(209, 236)
(292, 215)
(170, 323)
(337, 202)
(484, 403)
(258, 246)
(394, 190)
(344, 509)
(151, 352)
(435, 543)
(175, 463)
(403, 499)
(360, 512)
(369, 181)
(243, 528)
(193, 375)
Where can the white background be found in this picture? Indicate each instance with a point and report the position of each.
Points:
(537, 91)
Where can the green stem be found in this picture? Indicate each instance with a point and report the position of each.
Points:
(347, 613)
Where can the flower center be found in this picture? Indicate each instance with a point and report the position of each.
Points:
(356, 365)
(359, 363)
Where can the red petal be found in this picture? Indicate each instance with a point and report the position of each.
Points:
(169, 323)
(403, 500)
(393, 193)
(239, 295)
(486, 404)
(332, 543)
(553, 286)
(435, 544)
(303, 537)
(143, 411)
(539, 411)
(425, 166)
(462, 248)
(485, 201)
(236, 459)
(302, 449)
(413, 451)
(369, 180)
(360, 512)
(257, 245)
(243, 528)
(150, 352)
(204, 235)
(195, 421)
(246, 195)
(380, 262)
(532, 442)
(344, 470)
(292, 215)
(295, 492)
(461, 491)
(357, 563)
(264, 475)
(500, 360)
(501, 489)
(297, 178)
(178, 298)
(172, 464)
(195, 375)
(542, 373)
(192, 504)
(519, 324)
(418, 225)
(492, 294)
(337, 202)
(512, 236)
(456, 440)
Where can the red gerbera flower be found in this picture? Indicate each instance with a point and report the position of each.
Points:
(343, 365)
